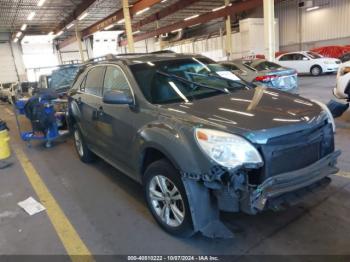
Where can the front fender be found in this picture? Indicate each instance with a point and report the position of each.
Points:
(177, 144)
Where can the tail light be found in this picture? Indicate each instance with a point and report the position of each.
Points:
(267, 78)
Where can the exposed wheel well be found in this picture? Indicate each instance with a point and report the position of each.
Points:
(149, 156)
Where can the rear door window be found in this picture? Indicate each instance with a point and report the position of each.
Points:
(299, 57)
(287, 57)
(94, 81)
(266, 65)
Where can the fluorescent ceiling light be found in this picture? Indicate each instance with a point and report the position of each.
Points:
(109, 27)
(218, 8)
(41, 2)
(31, 16)
(191, 17)
(15, 40)
(51, 33)
(312, 8)
(163, 1)
(83, 16)
(142, 11)
(24, 27)
(59, 33)
(70, 26)
(136, 32)
(19, 34)
(121, 21)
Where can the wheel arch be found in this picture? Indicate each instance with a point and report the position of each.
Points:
(316, 65)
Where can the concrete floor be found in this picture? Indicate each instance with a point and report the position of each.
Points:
(108, 211)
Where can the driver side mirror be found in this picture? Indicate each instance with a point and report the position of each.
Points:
(118, 97)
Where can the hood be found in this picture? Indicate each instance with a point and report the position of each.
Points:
(256, 109)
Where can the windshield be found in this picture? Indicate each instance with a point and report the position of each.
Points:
(184, 80)
(63, 77)
(314, 55)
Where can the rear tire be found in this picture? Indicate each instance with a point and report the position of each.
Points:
(167, 200)
(84, 153)
(316, 70)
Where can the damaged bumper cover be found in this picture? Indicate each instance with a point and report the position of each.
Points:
(292, 181)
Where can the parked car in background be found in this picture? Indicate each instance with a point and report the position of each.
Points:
(44, 81)
(199, 139)
(342, 89)
(345, 58)
(306, 62)
(7, 91)
(265, 73)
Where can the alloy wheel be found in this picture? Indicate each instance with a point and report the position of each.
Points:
(167, 201)
(78, 143)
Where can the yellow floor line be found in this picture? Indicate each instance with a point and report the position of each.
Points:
(72, 242)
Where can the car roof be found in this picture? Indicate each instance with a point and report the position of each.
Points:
(140, 58)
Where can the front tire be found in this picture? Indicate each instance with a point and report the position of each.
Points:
(316, 70)
(81, 148)
(167, 200)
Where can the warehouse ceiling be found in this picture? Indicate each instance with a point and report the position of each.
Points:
(53, 14)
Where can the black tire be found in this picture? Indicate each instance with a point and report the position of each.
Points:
(84, 153)
(316, 70)
(165, 169)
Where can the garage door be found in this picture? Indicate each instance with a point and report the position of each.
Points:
(7, 66)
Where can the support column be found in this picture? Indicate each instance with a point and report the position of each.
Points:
(128, 26)
(89, 46)
(228, 34)
(269, 29)
(80, 45)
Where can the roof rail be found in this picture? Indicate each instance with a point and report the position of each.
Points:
(100, 58)
(132, 54)
(163, 52)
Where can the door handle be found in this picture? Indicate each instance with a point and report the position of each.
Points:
(100, 111)
(79, 101)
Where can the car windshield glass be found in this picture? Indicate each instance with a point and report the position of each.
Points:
(265, 65)
(63, 77)
(184, 80)
(314, 55)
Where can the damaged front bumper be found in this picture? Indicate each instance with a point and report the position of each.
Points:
(238, 195)
(278, 185)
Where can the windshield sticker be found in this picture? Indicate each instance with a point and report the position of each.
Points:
(228, 75)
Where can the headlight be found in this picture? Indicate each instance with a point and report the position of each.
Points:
(226, 149)
(328, 112)
(345, 70)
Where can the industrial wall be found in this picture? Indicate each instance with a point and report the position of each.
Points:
(248, 42)
(11, 62)
(328, 25)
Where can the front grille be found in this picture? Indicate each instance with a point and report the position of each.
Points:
(298, 150)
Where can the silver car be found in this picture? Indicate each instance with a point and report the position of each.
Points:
(266, 73)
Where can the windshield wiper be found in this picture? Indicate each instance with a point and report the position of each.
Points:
(181, 79)
(229, 81)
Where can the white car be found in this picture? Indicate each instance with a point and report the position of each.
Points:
(342, 90)
(8, 91)
(306, 62)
